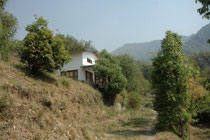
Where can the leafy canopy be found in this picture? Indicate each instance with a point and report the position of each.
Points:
(74, 45)
(8, 28)
(43, 51)
(108, 70)
(3, 3)
(204, 10)
(133, 74)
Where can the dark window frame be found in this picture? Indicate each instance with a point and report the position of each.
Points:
(72, 74)
(89, 61)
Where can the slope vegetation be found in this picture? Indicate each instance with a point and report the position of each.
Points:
(46, 107)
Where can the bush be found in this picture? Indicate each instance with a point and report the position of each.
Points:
(197, 96)
(133, 100)
(203, 115)
(3, 102)
(119, 99)
(43, 51)
(131, 72)
(65, 82)
(108, 71)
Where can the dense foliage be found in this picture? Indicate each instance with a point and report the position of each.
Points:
(145, 68)
(43, 51)
(108, 71)
(204, 10)
(133, 74)
(203, 103)
(169, 77)
(74, 45)
(8, 27)
(202, 60)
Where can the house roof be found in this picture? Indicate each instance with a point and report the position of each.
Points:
(94, 52)
(87, 66)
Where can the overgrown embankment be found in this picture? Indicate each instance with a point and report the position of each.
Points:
(46, 107)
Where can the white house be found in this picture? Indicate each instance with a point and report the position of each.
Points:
(81, 66)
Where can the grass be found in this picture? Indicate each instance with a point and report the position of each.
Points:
(51, 107)
(65, 82)
(128, 125)
(47, 106)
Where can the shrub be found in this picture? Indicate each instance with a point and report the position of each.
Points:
(203, 109)
(107, 70)
(119, 99)
(197, 96)
(133, 100)
(133, 74)
(65, 82)
(3, 102)
(43, 51)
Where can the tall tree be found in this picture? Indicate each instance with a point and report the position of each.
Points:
(43, 51)
(169, 76)
(8, 27)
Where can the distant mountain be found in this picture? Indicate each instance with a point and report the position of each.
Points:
(198, 42)
(145, 51)
(139, 51)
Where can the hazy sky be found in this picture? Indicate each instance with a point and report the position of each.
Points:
(111, 23)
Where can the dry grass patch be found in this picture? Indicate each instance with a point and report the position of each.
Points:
(47, 106)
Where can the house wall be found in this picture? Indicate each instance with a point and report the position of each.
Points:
(89, 69)
(80, 59)
(75, 64)
(89, 55)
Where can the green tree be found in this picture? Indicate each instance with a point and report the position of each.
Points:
(3, 3)
(73, 45)
(204, 10)
(145, 68)
(133, 74)
(8, 27)
(43, 51)
(202, 60)
(107, 70)
(169, 76)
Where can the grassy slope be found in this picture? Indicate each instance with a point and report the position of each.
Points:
(34, 108)
(43, 108)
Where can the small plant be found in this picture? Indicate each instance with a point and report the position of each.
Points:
(133, 100)
(3, 103)
(45, 101)
(86, 134)
(65, 82)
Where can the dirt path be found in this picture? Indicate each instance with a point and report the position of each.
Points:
(138, 126)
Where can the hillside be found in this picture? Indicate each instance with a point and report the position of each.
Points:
(145, 51)
(48, 107)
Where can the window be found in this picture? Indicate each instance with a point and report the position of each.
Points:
(70, 74)
(62, 73)
(89, 61)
